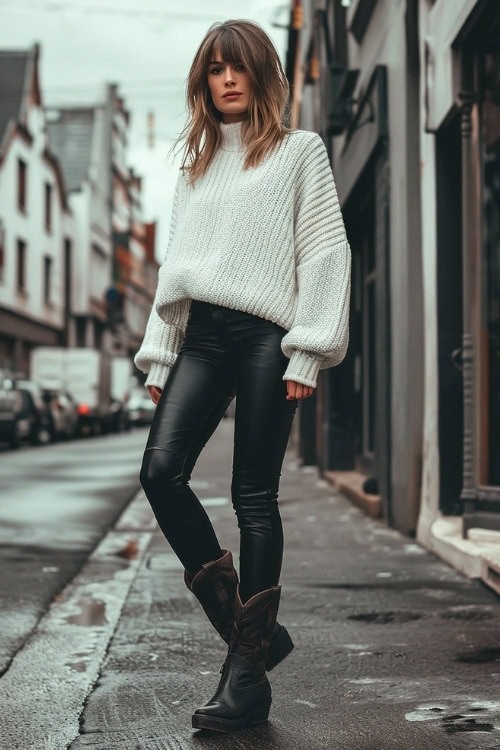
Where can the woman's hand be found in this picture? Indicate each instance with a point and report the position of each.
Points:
(154, 392)
(298, 390)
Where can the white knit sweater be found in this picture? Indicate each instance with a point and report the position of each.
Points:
(270, 241)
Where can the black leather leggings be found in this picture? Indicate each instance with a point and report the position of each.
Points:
(225, 353)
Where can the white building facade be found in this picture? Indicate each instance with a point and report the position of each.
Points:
(35, 221)
(460, 194)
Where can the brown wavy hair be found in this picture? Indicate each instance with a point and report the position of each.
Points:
(265, 127)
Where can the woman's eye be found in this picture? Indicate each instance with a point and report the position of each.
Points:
(214, 70)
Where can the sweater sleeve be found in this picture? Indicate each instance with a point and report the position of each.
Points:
(319, 335)
(161, 341)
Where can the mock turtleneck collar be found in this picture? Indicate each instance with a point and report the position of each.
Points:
(231, 136)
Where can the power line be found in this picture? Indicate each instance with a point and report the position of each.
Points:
(56, 6)
(52, 103)
(48, 90)
(170, 80)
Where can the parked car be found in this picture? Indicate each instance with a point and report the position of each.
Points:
(97, 381)
(8, 417)
(32, 413)
(140, 407)
(63, 412)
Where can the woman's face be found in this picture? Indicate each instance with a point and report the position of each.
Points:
(229, 77)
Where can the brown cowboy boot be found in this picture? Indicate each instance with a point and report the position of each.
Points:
(214, 586)
(243, 696)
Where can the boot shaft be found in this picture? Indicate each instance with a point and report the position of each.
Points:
(214, 586)
(254, 623)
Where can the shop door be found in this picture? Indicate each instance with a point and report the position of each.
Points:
(480, 82)
(489, 344)
(363, 345)
(449, 316)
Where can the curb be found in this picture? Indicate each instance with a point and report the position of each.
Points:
(44, 690)
(350, 483)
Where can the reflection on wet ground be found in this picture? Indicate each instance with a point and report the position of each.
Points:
(92, 612)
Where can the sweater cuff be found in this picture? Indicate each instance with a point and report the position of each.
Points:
(303, 367)
(158, 375)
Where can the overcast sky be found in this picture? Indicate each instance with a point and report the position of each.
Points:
(146, 46)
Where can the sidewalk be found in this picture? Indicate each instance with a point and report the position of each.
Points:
(477, 556)
(394, 649)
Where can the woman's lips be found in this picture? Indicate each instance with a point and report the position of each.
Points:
(232, 96)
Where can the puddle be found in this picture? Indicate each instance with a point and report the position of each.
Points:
(454, 723)
(92, 612)
(384, 618)
(460, 723)
(77, 666)
(471, 614)
(481, 656)
(82, 661)
(386, 580)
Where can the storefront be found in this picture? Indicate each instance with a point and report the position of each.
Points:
(479, 45)
(460, 147)
(361, 93)
(360, 391)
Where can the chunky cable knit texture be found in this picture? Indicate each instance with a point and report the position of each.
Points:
(270, 241)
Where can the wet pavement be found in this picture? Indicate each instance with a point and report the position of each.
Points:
(56, 503)
(394, 649)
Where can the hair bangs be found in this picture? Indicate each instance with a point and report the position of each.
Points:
(236, 41)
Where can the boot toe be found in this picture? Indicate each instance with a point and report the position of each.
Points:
(243, 697)
(216, 716)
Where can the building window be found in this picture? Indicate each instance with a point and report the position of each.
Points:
(48, 207)
(47, 278)
(21, 185)
(81, 331)
(21, 265)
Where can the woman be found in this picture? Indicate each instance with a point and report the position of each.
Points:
(252, 301)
